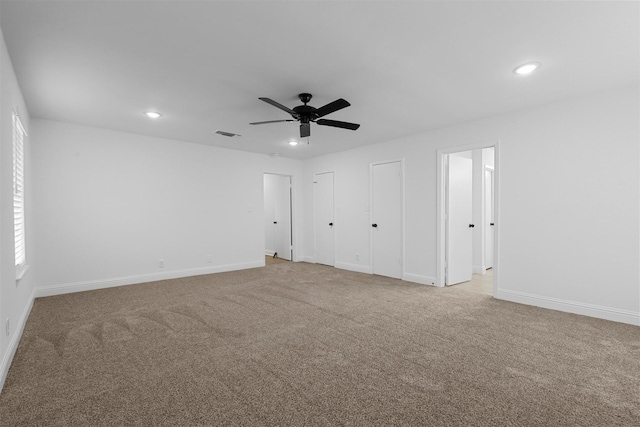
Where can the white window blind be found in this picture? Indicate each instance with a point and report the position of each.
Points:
(18, 189)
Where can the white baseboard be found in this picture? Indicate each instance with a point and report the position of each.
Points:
(600, 312)
(418, 278)
(66, 288)
(309, 259)
(409, 277)
(353, 267)
(15, 340)
(269, 253)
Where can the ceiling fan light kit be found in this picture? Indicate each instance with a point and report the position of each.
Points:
(306, 114)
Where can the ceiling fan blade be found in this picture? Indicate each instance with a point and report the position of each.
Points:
(278, 105)
(336, 105)
(271, 121)
(337, 124)
(305, 130)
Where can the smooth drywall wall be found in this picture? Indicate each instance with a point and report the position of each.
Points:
(119, 208)
(569, 202)
(16, 297)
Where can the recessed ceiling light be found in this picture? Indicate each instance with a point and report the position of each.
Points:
(528, 68)
(293, 142)
(152, 114)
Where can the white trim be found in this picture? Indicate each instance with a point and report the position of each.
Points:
(90, 285)
(15, 340)
(353, 267)
(269, 253)
(598, 311)
(21, 270)
(419, 278)
(309, 259)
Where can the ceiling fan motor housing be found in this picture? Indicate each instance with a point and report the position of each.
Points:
(305, 113)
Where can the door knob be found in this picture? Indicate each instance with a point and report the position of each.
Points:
(471, 225)
(330, 224)
(374, 225)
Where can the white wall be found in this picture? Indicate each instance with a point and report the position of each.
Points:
(569, 217)
(112, 204)
(16, 298)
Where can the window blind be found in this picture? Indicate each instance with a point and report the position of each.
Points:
(18, 190)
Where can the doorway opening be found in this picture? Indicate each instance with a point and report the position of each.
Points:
(278, 229)
(467, 223)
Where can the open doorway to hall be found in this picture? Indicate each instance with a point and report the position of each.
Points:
(277, 218)
(467, 220)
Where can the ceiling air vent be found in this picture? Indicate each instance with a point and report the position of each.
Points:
(229, 134)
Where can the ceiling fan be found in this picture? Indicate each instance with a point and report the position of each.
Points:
(305, 114)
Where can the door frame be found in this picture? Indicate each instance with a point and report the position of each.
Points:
(292, 211)
(441, 182)
(402, 226)
(315, 219)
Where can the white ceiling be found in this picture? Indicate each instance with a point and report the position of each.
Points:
(405, 67)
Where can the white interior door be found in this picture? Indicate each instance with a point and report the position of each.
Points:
(459, 211)
(283, 217)
(488, 218)
(269, 214)
(386, 208)
(324, 218)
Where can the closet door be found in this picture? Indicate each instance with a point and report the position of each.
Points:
(324, 218)
(386, 219)
(459, 220)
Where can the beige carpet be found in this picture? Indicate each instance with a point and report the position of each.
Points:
(301, 344)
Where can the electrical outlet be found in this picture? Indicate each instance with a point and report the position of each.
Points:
(161, 263)
(8, 326)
